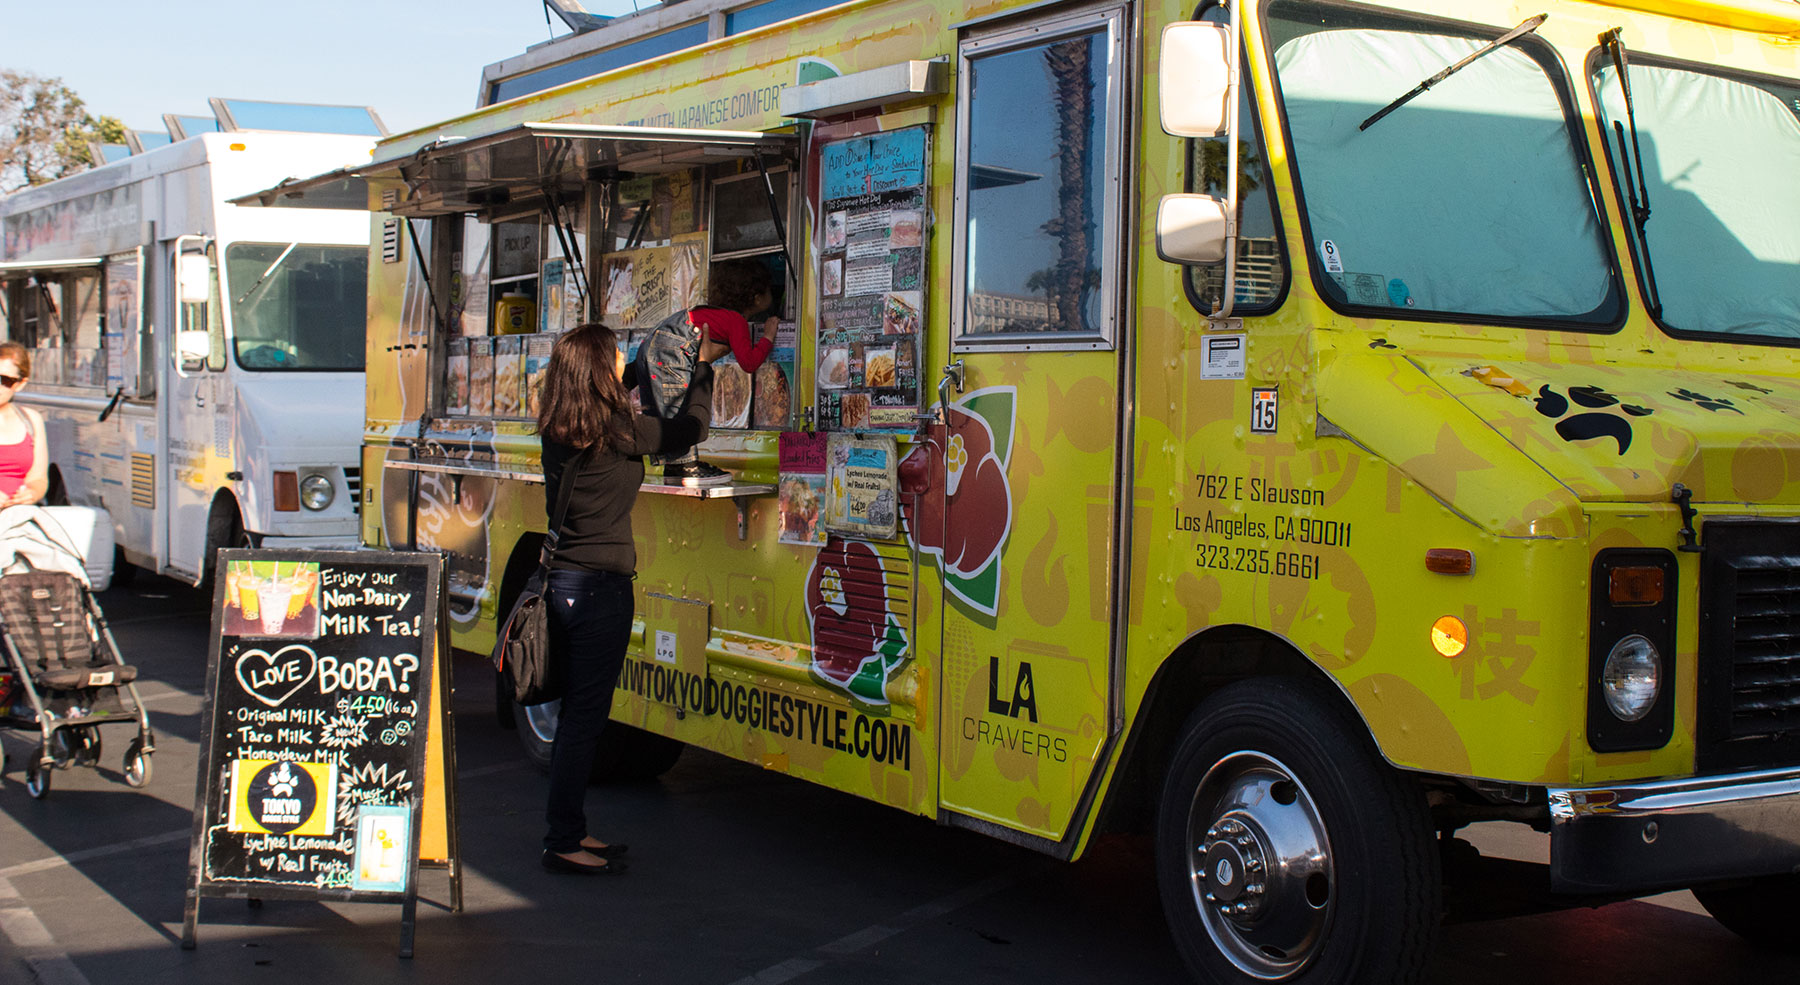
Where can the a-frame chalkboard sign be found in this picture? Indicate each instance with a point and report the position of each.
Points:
(318, 707)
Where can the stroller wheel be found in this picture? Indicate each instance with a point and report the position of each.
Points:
(37, 778)
(137, 764)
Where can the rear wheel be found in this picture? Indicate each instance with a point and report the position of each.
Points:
(1287, 849)
(625, 752)
(1763, 911)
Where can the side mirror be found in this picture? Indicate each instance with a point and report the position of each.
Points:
(192, 347)
(1192, 229)
(193, 274)
(1194, 78)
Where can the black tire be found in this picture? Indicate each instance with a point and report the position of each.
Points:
(137, 765)
(124, 572)
(625, 753)
(37, 778)
(1763, 911)
(1287, 850)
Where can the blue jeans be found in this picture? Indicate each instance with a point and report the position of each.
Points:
(590, 625)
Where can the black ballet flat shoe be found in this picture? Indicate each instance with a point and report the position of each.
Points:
(562, 866)
(609, 853)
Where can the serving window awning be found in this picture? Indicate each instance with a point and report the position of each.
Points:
(14, 267)
(523, 165)
(345, 188)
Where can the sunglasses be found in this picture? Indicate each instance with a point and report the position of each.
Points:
(10, 381)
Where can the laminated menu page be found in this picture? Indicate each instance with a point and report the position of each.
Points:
(481, 377)
(871, 282)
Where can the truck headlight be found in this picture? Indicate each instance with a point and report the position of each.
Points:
(1631, 678)
(316, 492)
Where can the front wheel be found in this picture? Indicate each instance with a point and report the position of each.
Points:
(1763, 911)
(1287, 849)
(137, 765)
(37, 775)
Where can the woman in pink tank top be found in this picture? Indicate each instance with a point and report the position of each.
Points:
(24, 454)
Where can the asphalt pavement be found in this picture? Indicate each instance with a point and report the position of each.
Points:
(738, 875)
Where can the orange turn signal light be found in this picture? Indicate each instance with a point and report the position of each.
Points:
(1449, 637)
(287, 492)
(1635, 586)
(1449, 561)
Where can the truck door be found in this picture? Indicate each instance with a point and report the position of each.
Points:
(1032, 431)
(196, 448)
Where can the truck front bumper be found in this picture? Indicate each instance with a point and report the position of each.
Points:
(1667, 834)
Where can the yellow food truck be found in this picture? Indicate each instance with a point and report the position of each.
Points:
(1295, 428)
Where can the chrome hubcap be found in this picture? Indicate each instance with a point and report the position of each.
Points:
(1260, 865)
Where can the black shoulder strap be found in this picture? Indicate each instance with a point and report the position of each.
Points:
(564, 489)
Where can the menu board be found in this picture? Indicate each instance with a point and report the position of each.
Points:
(318, 706)
(871, 281)
(456, 372)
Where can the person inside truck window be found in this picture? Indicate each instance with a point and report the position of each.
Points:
(737, 290)
(586, 423)
(24, 455)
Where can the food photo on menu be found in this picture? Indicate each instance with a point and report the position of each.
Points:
(773, 396)
(731, 394)
(834, 368)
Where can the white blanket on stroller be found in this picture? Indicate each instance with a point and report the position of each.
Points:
(56, 538)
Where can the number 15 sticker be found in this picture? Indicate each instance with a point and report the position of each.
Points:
(1263, 410)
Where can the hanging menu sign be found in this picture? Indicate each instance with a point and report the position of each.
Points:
(871, 281)
(319, 701)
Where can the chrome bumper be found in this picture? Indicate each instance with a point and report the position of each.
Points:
(1672, 833)
(332, 542)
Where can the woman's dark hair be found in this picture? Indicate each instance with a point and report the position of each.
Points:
(19, 355)
(737, 285)
(583, 402)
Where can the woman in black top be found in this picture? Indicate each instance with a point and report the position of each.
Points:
(585, 405)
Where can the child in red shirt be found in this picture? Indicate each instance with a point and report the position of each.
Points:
(736, 289)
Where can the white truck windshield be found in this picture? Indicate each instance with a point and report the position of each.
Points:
(298, 306)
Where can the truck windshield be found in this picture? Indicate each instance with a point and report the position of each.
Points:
(298, 306)
(1470, 201)
(1719, 156)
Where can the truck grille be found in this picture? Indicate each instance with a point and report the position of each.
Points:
(1749, 708)
(353, 480)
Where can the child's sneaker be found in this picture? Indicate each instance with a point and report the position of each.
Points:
(696, 474)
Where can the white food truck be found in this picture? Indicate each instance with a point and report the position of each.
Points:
(199, 365)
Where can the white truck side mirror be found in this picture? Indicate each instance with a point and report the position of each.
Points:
(193, 274)
(1192, 229)
(1194, 79)
(192, 347)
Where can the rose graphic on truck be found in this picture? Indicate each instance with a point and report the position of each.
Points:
(966, 527)
(858, 642)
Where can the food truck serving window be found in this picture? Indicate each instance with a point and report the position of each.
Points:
(1719, 155)
(1038, 179)
(58, 312)
(1472, 200)
(545, 226)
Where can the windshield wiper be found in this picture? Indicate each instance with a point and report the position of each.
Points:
(266, 273)
(1637, 192)
(1523, 29)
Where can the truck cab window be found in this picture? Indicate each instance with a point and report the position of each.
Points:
(1262, 268)
(297, 306)
(1038, 183)
(1722, 238)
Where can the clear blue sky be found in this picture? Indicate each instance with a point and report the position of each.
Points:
(415, 62)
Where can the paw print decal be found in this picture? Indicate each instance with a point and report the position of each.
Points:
(1594, 422)
(1714, 404)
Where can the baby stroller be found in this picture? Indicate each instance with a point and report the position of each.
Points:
(62, 675)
